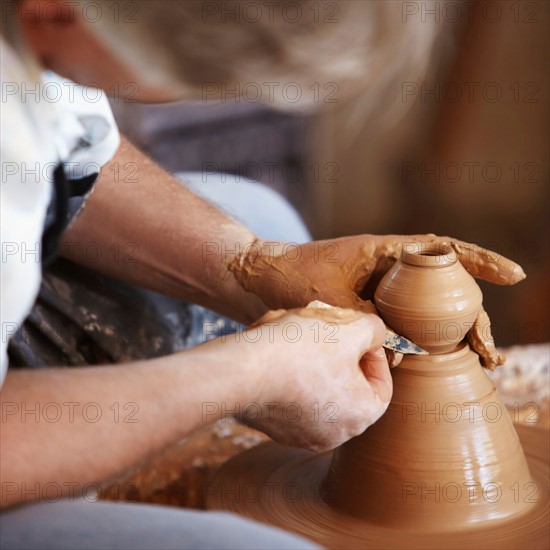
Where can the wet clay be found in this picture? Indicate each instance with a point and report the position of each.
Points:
(442, 305)
(345, 272)
(287, 488)
(314, 310)
(445, 448)
(481, 341)
(443, 467)
(429, 298)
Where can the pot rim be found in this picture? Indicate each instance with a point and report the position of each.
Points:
(434, 254)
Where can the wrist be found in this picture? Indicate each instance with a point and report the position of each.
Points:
(253, 260)
(223, 376)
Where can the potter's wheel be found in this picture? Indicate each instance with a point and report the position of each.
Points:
(357, 496)
(282, 486)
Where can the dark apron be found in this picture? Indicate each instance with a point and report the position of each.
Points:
(84, 318)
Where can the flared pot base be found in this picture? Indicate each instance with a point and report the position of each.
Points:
(284, 487)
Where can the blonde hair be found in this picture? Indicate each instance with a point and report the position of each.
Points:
(356, 48)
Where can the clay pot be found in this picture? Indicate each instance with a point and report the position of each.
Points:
(442, 468)
(429, 297)
(444, 456)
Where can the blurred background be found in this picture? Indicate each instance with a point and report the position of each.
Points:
(465, 155)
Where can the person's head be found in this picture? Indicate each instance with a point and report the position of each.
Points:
(294, 53)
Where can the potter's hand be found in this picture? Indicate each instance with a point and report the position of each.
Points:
(345, 272)
(321, 377)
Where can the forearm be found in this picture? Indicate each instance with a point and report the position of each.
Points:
(72, 427)
(150, 230)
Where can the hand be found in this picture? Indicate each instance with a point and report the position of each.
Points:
(320, 376)
(345, 272)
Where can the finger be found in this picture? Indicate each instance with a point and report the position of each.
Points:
(488, 265)
(377, 372)
(394, 357)
(372, 359)
(481, 341)
(480, 262)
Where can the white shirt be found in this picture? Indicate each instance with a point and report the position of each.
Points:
(44, 120)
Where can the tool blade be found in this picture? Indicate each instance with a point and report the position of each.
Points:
(401, 344)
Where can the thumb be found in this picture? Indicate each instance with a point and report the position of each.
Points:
(370, 336)
(374, 365)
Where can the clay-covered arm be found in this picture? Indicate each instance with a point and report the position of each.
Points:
(345, 272)
(142, 226)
